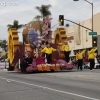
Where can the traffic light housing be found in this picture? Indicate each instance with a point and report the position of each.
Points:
(61, 20)
(94, 41)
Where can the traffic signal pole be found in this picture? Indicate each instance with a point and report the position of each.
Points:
(83, 27)
(61, 19)
(78, 24)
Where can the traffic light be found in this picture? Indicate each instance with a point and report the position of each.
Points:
(94, 41)
(61, 20)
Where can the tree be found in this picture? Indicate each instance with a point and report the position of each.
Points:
(44, 10)
(15, 25)
(67, 25)
(38, 17)
(3, 44)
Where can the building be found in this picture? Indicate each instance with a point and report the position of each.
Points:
(78, 37)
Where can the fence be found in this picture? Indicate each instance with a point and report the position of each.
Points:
(2, 65)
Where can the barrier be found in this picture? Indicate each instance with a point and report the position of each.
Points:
(2, 65)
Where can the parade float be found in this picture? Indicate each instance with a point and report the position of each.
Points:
(33, 43)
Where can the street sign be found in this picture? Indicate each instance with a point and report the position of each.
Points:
(92, 33)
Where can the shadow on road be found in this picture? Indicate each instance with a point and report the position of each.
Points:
(37, 72)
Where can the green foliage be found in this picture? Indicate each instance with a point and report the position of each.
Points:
(15, 25)
(44, 10)
(38, 17)
(3, 44)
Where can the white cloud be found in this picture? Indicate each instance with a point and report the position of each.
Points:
(25, 12)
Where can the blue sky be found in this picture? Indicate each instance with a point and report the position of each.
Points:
(25, 12)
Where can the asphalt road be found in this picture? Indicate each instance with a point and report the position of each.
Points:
(66, 85)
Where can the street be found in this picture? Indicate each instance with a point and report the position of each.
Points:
(66, 85)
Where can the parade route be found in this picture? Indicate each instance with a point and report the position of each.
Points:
(66, 85)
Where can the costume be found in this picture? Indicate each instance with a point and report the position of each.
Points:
(48, 51)
(79, 58)
(91, 56)
(65, 48)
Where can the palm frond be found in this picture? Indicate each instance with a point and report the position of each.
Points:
(38, 17)
(9, 25)
(44, 10)
(38, 8)
(15, 25)
(20, 26)
(15, 22)
(47, 6)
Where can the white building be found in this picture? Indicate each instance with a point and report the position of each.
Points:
(78, 37)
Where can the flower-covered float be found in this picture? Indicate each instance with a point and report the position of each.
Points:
(38, 42)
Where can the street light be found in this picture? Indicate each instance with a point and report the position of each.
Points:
(92, 11)
(92, 16)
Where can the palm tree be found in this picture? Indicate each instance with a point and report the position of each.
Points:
(44, 10)
(15, 25)
(38, 17)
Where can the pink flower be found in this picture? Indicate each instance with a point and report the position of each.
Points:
(45, 29)
(48, 38)
(43, 46)
(47, 19)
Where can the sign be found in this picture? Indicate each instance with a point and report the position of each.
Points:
(70, 38)
(92, 33)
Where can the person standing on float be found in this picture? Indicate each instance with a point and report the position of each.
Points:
(66, 49)
(48, 51)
